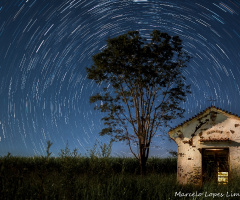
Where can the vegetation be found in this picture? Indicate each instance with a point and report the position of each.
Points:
(78, 177)
(143, 87)
(74, 177)
(99, 176)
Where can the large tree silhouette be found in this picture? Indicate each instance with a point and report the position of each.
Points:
(142, 87)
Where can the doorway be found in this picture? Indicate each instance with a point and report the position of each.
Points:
(215, 165)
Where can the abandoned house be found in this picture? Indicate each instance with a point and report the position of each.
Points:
(208, 147)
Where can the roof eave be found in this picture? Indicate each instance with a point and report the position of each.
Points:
(199, 114)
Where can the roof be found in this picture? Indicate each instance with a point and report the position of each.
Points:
(204, 111)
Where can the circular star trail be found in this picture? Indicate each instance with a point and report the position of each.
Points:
(45, 47)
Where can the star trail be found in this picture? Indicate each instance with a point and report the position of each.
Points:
(45, 47)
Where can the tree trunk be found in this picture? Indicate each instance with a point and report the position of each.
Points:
(142, 160)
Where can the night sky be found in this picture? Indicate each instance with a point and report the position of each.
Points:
(45, 46)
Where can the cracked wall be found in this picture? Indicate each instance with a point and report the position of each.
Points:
(212, 129)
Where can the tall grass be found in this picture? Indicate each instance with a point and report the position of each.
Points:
(73, 177)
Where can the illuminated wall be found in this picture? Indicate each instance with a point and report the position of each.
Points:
(212, 129)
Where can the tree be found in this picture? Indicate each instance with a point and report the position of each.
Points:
(142, 87)
(49, 144)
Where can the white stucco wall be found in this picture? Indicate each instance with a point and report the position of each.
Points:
(208, 130)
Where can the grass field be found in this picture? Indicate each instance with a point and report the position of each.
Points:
(72, 177)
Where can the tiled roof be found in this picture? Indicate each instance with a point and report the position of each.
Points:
(202, 113)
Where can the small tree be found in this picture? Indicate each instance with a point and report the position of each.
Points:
(102, 150)
(49, 144)
(143, 87)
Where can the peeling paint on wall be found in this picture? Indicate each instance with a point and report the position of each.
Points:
(211, 129)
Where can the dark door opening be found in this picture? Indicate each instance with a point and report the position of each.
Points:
(215, 165)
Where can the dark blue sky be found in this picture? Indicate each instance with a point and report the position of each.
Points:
(45, 46)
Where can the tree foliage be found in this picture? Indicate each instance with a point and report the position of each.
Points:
(143, 87)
